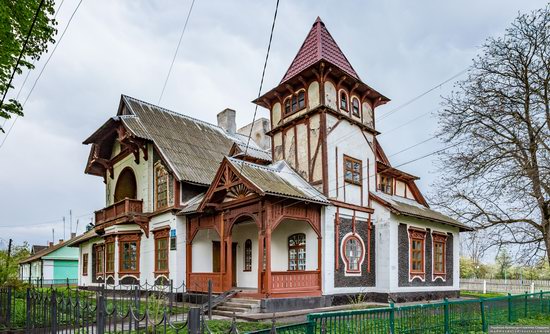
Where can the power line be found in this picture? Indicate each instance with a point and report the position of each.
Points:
(263, 75)
(412, 146)
(44, 222)
(21, 53)
(177, 49)
(42, 70)
(386, 115)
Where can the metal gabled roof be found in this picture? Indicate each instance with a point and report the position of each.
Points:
(278, 179)
(192, 148)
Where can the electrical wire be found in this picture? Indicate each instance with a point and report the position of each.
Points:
(176, 53)
(42, 70)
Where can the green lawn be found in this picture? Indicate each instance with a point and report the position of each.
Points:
(477, 294)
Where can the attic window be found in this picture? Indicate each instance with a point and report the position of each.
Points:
(295, 102)
(386, 184)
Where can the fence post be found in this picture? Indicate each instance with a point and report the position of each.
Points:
(509, 307)
(541, 303)
(209, 299)
(483, 319)
(8, 307)
(532, 287)
(446, 310)
(67, 283)
(53, 312)
(310, 325)
(194, 320)
(525, 304)
(392, 318)
(171, 298)
(484, 286)
(28, 310)
(100, 313)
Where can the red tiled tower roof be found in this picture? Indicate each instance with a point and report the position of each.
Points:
(319, 45)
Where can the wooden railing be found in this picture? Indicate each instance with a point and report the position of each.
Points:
(295, 281)
(198, 282)
(119, 209)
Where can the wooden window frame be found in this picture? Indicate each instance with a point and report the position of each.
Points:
(162, 234)
(340, 94)
(360, 172)
(247, 252)
(297, 248)
(293, 102)
(99, 260)
(85, 264)
(159, 168)
(441, 239)
(358, 113)
(345, 254)
(110, 257)
(417, 235)
(123, 239)
(382, 186)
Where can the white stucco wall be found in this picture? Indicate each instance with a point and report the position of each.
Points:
(202, 251)
(240, 233)
(279, 244)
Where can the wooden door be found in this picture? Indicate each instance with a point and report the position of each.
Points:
(216, 256)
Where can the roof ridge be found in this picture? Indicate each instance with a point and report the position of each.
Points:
(252, 164)
(175, 113)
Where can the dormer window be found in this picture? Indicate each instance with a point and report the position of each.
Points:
(386, 184)
(295, 102)
(355, 106)
(343, 101)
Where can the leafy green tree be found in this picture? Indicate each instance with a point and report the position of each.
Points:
(503, 263)
(9, 270)
(16, 19)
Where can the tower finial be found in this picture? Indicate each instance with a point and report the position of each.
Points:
(318, 20)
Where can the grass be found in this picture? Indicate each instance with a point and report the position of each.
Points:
(477, 294)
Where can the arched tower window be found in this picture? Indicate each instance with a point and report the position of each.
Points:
(248, 255)
(126, 185)
(295, 102)
(343, 101)
(297, 252)
(355, 107)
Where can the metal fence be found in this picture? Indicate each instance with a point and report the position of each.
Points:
(108, 309)
(460, 316)
(504, 285)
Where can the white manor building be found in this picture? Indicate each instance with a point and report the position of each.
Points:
(312, 210)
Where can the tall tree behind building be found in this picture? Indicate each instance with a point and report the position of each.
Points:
(497, 123)
(16, 20)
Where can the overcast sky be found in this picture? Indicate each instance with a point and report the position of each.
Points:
(401, 48)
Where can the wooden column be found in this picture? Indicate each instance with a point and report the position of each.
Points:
(260, 260)
(229, 266)
(268, 260)
(188, 261)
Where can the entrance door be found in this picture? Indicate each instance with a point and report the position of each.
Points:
(216, 256)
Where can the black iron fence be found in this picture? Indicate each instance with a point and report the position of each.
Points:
(106, 309)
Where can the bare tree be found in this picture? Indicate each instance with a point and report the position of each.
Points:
(497, 125)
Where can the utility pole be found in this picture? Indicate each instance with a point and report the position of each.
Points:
(9, 255)
(63, 228)
(70, 222)
(53, 235)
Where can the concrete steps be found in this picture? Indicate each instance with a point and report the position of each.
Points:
(238, 306)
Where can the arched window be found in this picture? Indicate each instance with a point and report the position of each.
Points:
(353, 253)
(125, 185)
(343, 101)
(355, 107)
(297, 252)
(295, 102)
(248, 255)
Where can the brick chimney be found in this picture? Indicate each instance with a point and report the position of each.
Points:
(50, 244)
(73, 234)
(60, 241)
(226, 120)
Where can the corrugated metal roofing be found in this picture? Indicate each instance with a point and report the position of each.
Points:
(319, 45)
(193, 148)
(278, 179)
(254, 152)
(409, 207)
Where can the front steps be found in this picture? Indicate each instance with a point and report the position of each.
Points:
(237, 306)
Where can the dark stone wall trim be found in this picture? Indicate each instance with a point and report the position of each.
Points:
(366, 278)
(403, 260)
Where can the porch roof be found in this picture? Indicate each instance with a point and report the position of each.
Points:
(411, 208)
(278, 179)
